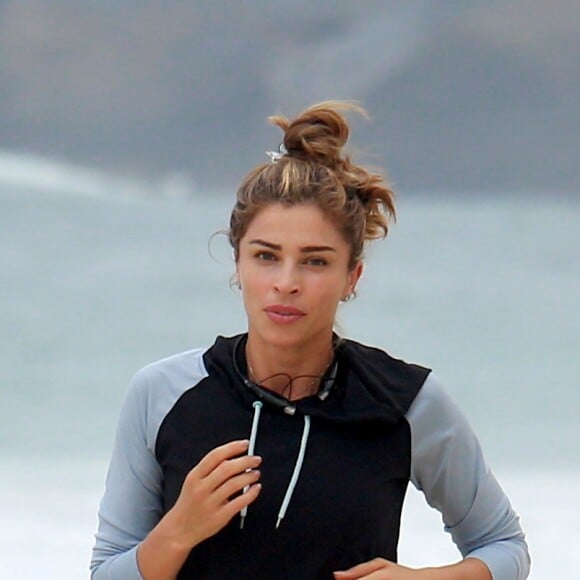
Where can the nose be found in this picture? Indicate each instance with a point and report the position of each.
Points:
(287, 280)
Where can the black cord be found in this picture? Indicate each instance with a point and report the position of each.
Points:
(326, 383)
(261, 393)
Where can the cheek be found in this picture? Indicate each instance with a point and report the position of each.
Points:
(330, 292)
(254, 281)
(245, 271)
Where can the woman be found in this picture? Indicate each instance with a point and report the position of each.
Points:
(285, 452)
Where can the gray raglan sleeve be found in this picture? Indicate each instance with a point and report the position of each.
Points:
(449, 468)
(130, 506)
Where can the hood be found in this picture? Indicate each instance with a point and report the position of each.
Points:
(368, 386)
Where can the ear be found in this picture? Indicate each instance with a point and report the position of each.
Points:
(353, 278)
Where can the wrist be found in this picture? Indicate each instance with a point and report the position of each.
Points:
(174, 534)
(468, 569)
(162, 553)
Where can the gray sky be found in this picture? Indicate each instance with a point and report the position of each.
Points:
(463, 95)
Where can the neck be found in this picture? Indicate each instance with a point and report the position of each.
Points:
(293, 372)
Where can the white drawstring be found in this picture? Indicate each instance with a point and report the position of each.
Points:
(253, 434)
(297, 467)
(296, 473)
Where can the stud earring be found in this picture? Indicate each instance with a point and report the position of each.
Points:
(349, 297)
(237, 285)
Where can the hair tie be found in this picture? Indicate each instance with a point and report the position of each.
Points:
(275, 156)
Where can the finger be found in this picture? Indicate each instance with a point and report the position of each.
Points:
(361, 570)
(377, 575)
(219, 454)
(230, 468)
(235, 485)
(236, 505)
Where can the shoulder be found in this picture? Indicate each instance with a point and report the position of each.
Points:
(434, 408)
(155, 388)
(441, 435)
(380, 359)
(177, 371)
(391, 382)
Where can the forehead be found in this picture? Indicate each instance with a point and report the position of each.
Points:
(302, 224)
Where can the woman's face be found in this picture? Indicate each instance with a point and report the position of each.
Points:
(293, 269)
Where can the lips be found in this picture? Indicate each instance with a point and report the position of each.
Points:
(283, 314)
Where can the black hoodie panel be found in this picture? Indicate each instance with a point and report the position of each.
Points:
(346, 506)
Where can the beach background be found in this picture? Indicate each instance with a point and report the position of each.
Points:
(124, 131)
(485, 291)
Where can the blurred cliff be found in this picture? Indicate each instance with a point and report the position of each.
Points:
(464, 96)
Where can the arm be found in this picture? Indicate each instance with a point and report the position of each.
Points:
(133, 541)
(448, 466)
(131, 504)
(203, 508)
(380, 569)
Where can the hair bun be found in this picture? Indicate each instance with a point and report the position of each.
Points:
(319, 133)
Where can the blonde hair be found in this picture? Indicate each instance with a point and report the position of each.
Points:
(313, 168)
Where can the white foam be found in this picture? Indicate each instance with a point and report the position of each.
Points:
(41, 174)
(48, 521)
(48, 518)
(546, 502)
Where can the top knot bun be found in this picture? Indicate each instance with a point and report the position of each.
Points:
(319, 133)
(314, 169)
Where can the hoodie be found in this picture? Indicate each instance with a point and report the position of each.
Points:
(335, 468)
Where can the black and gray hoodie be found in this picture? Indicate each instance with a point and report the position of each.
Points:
(334, 474)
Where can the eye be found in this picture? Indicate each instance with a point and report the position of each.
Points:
(265, 256)
(315, 261)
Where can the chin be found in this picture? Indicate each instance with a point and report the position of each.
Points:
(289, 336)
(283, 337)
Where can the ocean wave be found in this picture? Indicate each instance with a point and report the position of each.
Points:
(46, 175)
(61, 520)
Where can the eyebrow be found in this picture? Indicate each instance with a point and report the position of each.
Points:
(304, 250)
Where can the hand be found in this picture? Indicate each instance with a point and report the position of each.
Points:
(204, 506)
(379, 569)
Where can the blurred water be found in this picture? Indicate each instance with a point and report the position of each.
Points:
(484, 290)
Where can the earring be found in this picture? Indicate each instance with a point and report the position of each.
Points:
(237, 285)
(349, 297)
